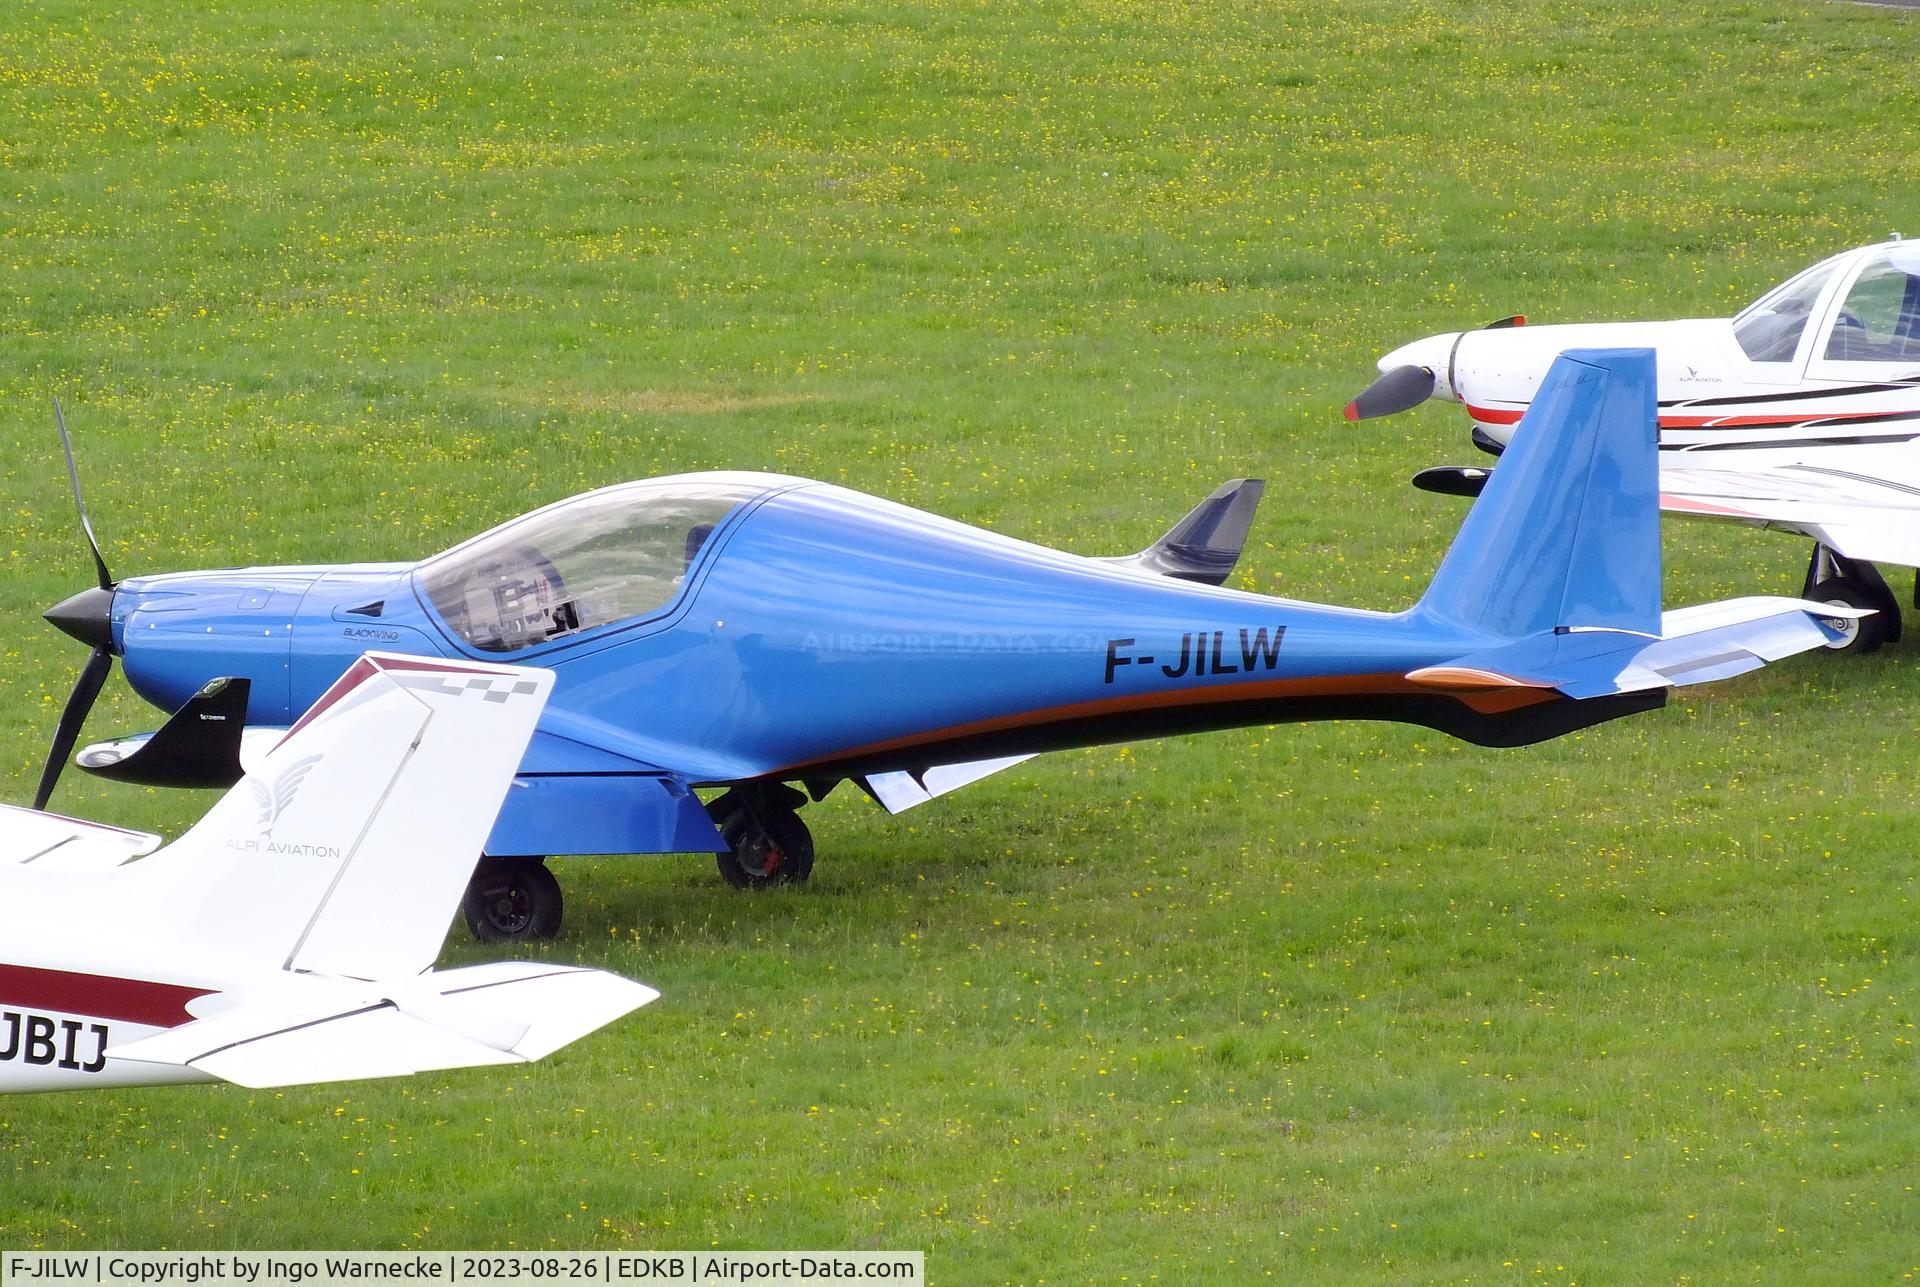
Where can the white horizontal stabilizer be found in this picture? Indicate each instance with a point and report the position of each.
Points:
(52, 843)
(551, 1005)
(511, 1012)
(898, 792)
(1718, 640)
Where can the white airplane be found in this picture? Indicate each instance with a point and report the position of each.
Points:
(1801, 414)
(286, 937)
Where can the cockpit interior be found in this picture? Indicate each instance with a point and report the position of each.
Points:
(614, 555)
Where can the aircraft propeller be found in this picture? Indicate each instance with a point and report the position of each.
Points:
(1406, 387)
(1400, 389)
(88, 617)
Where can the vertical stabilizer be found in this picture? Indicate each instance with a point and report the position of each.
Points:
(345, 851)
(1567, 532)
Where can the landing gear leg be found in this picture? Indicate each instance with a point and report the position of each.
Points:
(767, 844)
(512, 900)
(1854, 583)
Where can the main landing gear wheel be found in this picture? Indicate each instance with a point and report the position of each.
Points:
(1857, 635)
(1854, 583)
(512, 900)
(780, 852)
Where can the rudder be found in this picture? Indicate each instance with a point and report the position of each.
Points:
(1567, 531)
(346, 851)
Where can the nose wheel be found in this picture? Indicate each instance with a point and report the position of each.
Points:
(512, 900)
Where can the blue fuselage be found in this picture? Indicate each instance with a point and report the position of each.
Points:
(817, 623)
(820, 633)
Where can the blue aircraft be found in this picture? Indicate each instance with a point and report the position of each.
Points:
(747, 632)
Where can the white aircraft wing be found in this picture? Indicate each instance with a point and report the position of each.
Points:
(508, 1012)
(51, 842)
(1868, 508)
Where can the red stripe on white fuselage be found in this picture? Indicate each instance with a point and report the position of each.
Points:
(56, 1027)
(106, 996)
(1790, 420)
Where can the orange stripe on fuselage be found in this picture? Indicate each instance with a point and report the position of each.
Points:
(1496, 701)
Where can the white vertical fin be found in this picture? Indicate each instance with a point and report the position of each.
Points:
(388, 912)
(346, 849)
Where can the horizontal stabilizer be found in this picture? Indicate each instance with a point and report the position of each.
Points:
(511, 1012)
(552, 1005)
(1696, 645)
(1205, 545)
(898, 792)
(1719, 640)
(261, 1047)
(52, 843)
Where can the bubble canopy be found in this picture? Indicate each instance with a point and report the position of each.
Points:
(618, 554)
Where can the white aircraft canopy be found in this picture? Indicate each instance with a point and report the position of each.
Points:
(1871, 314)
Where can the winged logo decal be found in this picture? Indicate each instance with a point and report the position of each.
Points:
(273, 798)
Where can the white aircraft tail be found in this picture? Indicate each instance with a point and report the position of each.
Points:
(346, 849)
(316, 893)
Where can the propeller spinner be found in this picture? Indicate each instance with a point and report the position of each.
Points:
(1402, 388)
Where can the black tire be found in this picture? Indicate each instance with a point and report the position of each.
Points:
(512, 900)
(779, 854)
(1864, 635)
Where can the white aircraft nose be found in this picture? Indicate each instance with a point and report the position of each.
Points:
(1430, 353)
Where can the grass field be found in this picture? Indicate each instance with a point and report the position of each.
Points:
(1330, 1002)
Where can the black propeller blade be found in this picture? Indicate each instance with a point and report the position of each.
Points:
(92, 676)
(73, 476)
(88, 617)
(1406, 387)
(1400, 389)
